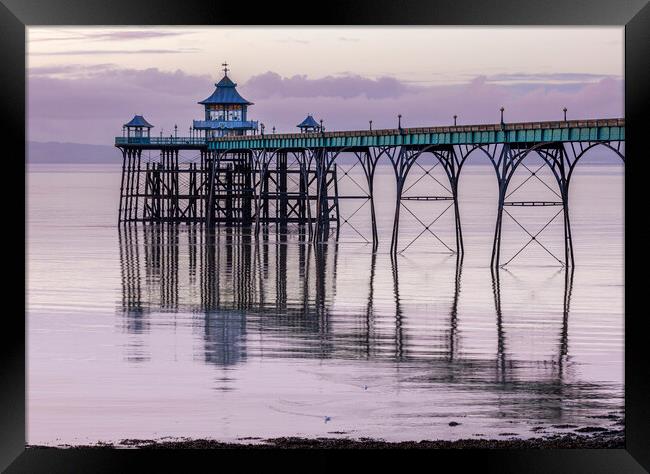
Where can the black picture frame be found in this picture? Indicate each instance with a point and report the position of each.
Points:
(16, 15)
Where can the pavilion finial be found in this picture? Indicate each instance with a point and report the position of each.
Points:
(225, 68)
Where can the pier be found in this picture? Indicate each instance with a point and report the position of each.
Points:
(232, 173)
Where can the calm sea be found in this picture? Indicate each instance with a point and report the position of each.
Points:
(151, 332)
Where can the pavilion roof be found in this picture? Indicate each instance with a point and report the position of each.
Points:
(225, 93)
(308, 122)
(138, 121)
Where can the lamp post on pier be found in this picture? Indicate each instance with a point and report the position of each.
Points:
(564, 110)
(370, 121)
(455, 116)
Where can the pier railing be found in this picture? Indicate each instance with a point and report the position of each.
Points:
(524, 132)
(159, 141)
(224, 124)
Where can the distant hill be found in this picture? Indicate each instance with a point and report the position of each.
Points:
(56, 152)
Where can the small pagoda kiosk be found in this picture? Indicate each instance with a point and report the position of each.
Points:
(225, 111)
(308, 125)
(137, 128)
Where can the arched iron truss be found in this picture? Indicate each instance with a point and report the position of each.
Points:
(248, 182)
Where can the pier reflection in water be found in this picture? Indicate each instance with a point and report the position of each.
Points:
(400, 330)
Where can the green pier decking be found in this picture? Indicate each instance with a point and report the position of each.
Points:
(525, 133)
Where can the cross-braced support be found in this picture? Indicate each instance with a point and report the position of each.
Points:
(261, 162)
(505, 166)
(130, 185)
(561, 160)
(304, 160)
(213, 167)
(283, 187)
(451, 162)
(324, 160)
(368, 160)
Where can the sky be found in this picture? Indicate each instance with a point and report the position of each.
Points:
(84, 83)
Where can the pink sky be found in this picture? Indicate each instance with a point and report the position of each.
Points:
(83, 84)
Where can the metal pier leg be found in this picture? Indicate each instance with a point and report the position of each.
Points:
(229, 193)
(496, 246)
(568, 241)
(320, 193)
(201, 182)
(324, 216)
(398, 206)
(170, 186)
(336, 204)
(305, 165)
(137, 181)
(248, 190)
(127, 178)
(373, 214)
(401, 167)
(266, 177)
(501, 165)
(209, 212)
(259, 189)
(302, 201)
(282, 190)
(164, 186)
(176, 189)
(460, 249)
(369, 164)
(129, 186)
(119, 214)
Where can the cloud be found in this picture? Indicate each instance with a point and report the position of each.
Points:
(136, 34)
(97, 52)
(89, 106)
(271, 84)
(69, 70)
(113, 35)
(548, 77)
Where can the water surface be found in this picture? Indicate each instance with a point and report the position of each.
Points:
(154, 331)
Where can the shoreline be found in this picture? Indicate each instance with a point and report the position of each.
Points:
(609, 439)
